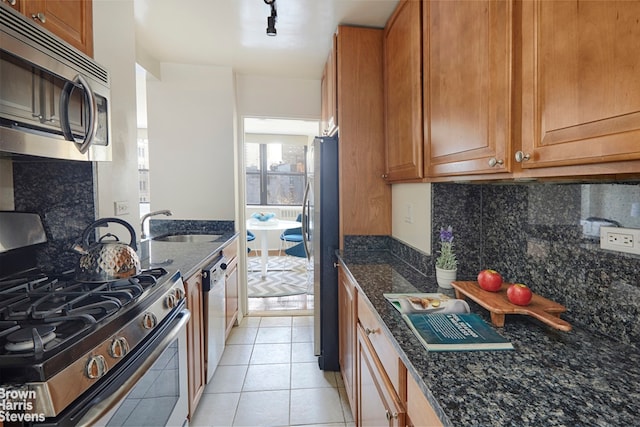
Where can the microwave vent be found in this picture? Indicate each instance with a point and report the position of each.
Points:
(19, 27)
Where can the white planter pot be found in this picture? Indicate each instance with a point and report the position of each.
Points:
(445, 277)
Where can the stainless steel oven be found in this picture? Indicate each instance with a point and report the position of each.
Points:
(150, 392)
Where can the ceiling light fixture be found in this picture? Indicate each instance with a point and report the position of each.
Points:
(271, 20)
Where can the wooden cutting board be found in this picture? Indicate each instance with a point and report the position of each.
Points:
(498, 304)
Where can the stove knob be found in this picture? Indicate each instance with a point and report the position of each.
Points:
(179, 293)
(119, 347)
(96, 367)
(149, 321)
(170, 301)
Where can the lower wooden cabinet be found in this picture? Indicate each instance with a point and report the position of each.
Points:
(378, 403)
(230, 252)
(419, 410)
(195, 341)
(347, 334)
(380, 390)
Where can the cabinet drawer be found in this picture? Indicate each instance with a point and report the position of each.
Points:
(231, 251)
(419, 410)
(388, 356)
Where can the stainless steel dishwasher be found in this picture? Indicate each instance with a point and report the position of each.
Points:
(213, 286)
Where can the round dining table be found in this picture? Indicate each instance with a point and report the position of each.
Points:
(262, 228)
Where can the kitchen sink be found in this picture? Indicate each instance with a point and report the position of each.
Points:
(189, 238)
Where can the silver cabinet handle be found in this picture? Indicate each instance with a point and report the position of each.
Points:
(36, 16)
(493, 162)
(11, 2)
(369, 331)
(522, 157)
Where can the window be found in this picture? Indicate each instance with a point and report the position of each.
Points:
(276, 173)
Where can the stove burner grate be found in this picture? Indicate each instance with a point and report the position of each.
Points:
(30, 339)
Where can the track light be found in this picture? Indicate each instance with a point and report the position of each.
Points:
(271, 20)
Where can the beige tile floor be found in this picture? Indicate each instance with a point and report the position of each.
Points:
(269, 376)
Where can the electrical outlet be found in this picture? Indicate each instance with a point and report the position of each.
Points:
(408, 217)
(120, 208)
(620, 239)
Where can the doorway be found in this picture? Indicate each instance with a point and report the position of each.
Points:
(279, 274)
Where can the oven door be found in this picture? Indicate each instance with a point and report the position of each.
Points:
(149, 390)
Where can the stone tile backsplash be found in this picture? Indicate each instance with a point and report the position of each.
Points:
(61, 192)
(532, 233)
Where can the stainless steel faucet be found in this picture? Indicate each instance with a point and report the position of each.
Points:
(149, 215)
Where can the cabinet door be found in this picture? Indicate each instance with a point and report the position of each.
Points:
(581, 91)
(71, 20)
(467, 87)
(419, 410)
(347, 334)
(329, 111)
(403, 93)
(365, 198)
(195, 341)
(378, 404)
(231, 296)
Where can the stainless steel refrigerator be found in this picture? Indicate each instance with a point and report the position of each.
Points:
(321, 231)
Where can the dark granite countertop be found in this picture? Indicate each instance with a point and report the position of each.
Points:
(187, 257)
(552, 378)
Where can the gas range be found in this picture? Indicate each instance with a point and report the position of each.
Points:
(42, 315)
(59, 334)
(76, 352)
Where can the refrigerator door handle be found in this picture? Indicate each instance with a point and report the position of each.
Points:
(305, 241)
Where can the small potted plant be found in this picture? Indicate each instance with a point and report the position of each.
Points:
(446, 263)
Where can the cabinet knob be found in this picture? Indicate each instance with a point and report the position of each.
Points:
(39, 17)
(369, 331)
(493, 162)
(11, 2)
(390, 415)
(522, 157)
(384, 176)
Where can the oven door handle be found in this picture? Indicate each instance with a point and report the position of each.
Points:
(100, 409)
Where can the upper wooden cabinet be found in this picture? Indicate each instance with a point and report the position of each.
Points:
(467, 86)
(403, 93)
(329, 119)
(71, 20)
(580, 89)
(365, 197)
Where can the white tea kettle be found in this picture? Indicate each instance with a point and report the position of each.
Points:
(107, 260)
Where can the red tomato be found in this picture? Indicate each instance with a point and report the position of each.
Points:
(519, 294)
(490, 280)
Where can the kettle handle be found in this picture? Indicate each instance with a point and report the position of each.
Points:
(100, 222)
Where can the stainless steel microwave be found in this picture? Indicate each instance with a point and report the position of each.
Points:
(54, 99)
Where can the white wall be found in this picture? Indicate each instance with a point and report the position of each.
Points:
(190, 114)
(114, 47)
(411, 215)
(260, 96)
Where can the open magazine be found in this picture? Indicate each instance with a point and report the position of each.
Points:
(427, 303)
(442, 323)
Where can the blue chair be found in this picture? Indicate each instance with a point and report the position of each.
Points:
(299, 252)
(250, 238)
(291, 235)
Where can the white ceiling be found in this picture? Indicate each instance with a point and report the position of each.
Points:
(233, 32)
